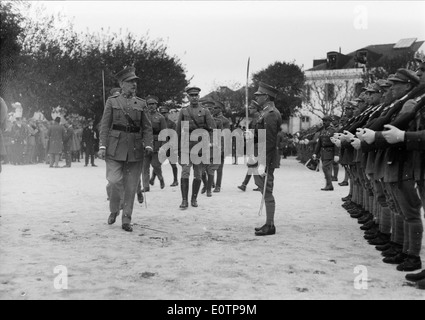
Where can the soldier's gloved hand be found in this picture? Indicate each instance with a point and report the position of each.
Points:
(249, 135)
(336, 142)
(369, 136)
(101, 154)
(356, 143)
(348, 134)
(393, 134)
(148, 151)
(336, 159)
(360, 133)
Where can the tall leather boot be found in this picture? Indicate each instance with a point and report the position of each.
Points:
(175, 182)
(196, 184)
(184, 187)
(152, 179)
(161, 180)
(209, 184)
(219, 178)
(204, 178)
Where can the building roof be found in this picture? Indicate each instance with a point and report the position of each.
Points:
(374, 54)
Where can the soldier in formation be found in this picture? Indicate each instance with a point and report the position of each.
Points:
(382, 148)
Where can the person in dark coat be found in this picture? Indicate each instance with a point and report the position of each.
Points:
(55, 135)
(67, 144)
(269, 120)
(90, 142)
(327, 151)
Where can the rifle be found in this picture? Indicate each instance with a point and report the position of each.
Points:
(403, 120)
(395, 108)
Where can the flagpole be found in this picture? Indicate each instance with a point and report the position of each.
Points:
(246, 95)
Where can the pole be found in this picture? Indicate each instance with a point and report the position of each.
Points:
(246, 95)
(103, 85)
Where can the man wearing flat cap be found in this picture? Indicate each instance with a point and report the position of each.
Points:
(198, 117)
(125, 137)
(158, 124)
(270, 120)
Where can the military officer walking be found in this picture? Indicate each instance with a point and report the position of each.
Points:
(164, 110)
(327, 150)
(125, 136)
(158, 123)
(197, 118)
(270, 120)
(225, 123)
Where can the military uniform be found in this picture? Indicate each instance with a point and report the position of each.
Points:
(198, 118)
(158, 124)
(125, 133)
(270, 120)
(209, 169)
(327, 151)
(224, 123)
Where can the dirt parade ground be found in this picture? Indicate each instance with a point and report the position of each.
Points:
(56, 243)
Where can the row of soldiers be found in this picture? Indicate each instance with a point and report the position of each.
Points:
(382, 147)
(130, 132)
(160, 119)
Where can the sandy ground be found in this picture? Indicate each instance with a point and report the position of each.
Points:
(58, 217)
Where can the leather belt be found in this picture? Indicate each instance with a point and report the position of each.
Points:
(125, 128)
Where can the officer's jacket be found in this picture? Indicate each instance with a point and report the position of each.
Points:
(224, 121)
(325, 145)
(198, 118)
(171, 124)
(123, 141)
(271, 120)
(158, 123)
(415, 141)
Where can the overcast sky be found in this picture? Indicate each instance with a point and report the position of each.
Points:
(214, 39)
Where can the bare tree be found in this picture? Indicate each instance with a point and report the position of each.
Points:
(325, 95)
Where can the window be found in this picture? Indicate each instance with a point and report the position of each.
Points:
(305, 119)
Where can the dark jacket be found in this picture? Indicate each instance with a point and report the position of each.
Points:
(55, 134)
(270, 120)
(325, 147)
(125, 145)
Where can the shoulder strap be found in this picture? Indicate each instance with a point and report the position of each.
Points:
(127, 116)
